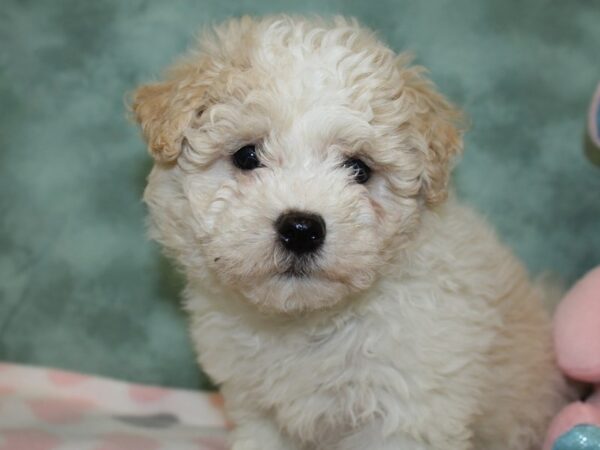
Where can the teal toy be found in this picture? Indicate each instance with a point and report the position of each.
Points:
(593, 129)
(594, 119)
(581, 437)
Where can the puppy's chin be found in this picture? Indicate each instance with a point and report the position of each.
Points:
(293, 292)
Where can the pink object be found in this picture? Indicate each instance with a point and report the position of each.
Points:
(146, 394)
(29, 439)
(577, 330)
(52, 410)
(66, 379)
(577, 343)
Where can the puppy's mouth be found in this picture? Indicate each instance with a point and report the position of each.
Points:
(295, 272)
(300, 268)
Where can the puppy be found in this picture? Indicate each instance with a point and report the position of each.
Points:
(337, 295)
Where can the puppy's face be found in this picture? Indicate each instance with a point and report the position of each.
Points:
(293, 160)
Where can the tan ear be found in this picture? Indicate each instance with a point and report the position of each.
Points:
(164, 110)
(445, 143)
(442, 125)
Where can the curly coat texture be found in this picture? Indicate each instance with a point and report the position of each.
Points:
(413, 328)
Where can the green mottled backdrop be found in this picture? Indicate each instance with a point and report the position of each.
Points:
(81, 287)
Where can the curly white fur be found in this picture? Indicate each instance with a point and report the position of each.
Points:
(415, 329)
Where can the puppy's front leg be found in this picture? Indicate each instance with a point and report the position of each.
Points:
(259, 434)
(371, 437)
(401, 443)
(407, 443)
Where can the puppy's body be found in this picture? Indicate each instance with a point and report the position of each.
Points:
(449, 350)
(409, 326)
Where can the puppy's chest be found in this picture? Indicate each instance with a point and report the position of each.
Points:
(323, 385)
(338, 374)
(354, 370)
(295, 358)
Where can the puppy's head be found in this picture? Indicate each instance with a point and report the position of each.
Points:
(293, 159)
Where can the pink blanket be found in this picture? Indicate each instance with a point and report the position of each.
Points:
(46, 409)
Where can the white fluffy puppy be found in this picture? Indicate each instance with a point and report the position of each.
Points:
(336, 295)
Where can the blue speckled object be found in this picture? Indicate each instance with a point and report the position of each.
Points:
(581, 437)
(593, 149)
(594, 119)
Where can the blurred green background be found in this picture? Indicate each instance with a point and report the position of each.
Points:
(80, 285)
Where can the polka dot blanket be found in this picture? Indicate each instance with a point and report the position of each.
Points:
(46, 409)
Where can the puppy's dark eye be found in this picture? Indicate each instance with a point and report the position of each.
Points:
(361, 171)
(246, 158)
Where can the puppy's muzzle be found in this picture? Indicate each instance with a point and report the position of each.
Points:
(301, 233)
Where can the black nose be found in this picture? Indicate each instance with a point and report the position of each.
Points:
(301, 232)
